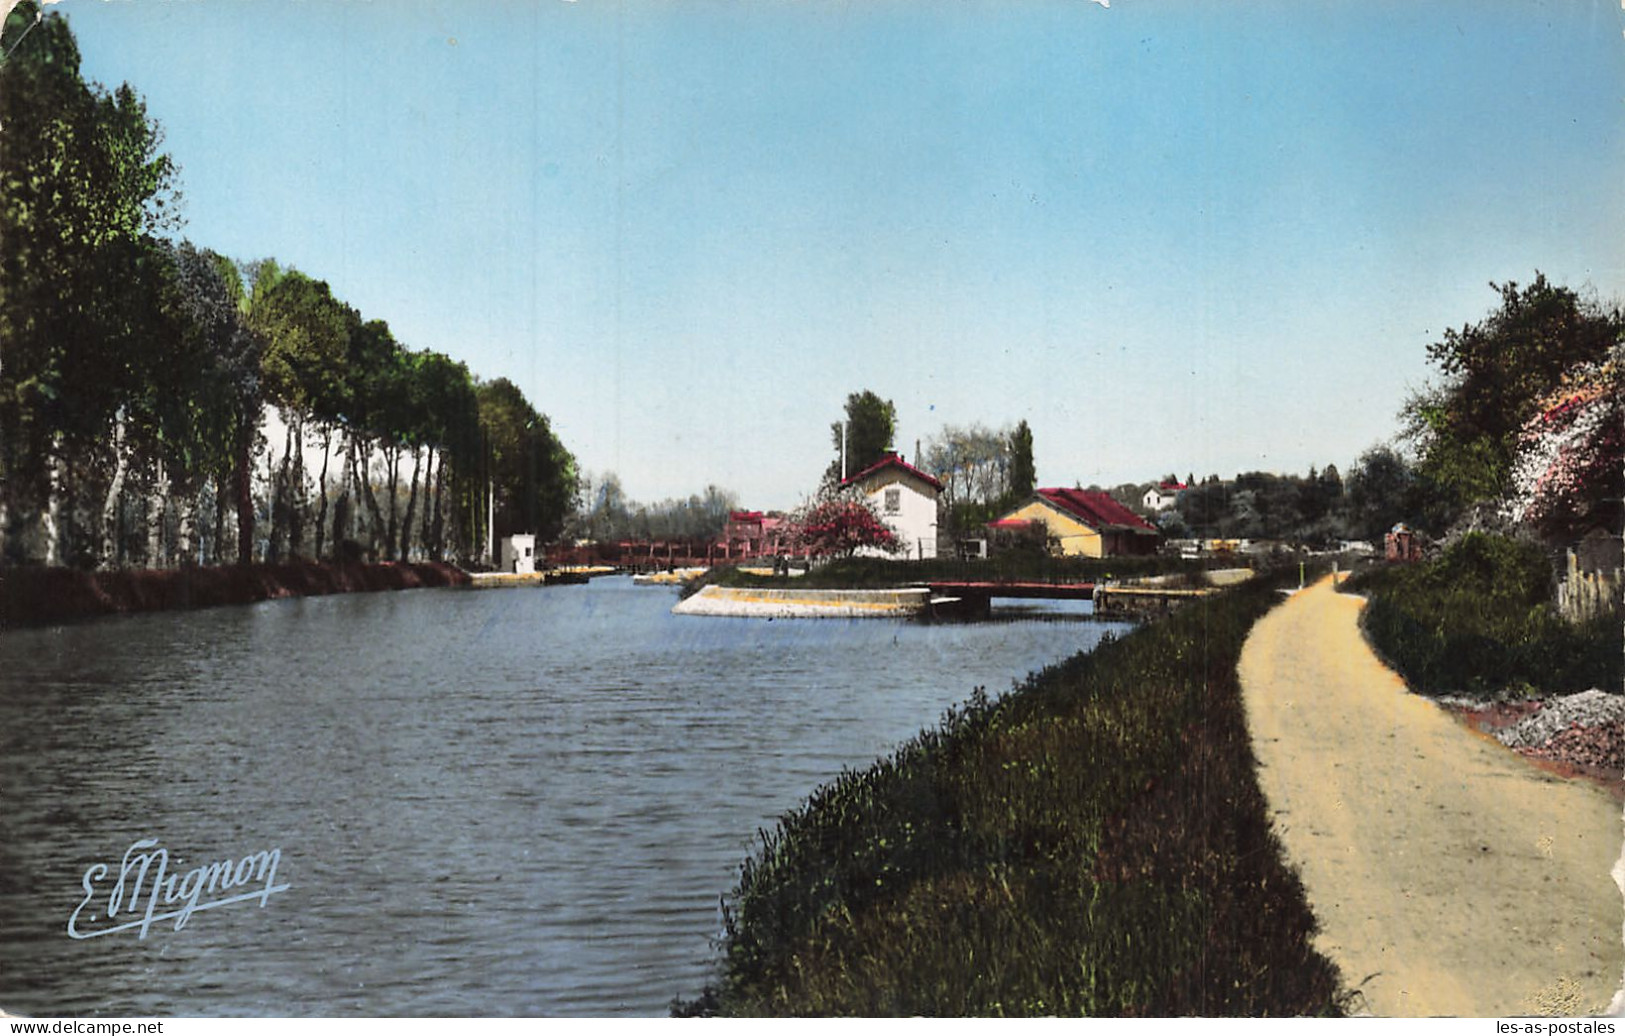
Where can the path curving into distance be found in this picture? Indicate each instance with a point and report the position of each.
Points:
(1461, 879)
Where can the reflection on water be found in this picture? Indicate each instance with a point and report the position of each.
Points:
(505, 802)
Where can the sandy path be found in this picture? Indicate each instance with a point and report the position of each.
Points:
(1462, 879)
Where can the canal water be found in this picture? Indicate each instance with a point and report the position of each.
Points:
(511, 802)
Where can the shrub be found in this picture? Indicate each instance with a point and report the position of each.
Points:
(1480, 619)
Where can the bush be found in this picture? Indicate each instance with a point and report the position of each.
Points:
(1480, 619)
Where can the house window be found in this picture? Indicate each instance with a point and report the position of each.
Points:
(527, 552)
(894, 501)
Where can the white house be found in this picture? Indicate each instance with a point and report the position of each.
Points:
(517, 554)
(906, 499)
(1162, 497)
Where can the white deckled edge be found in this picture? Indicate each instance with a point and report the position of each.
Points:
(1616, 1006)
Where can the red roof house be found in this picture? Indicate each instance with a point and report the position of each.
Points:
(906, 499)
(1087, 524)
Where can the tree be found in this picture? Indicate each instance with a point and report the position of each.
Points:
(450, 430)
(1202, 507)
(241, 369)
(608, 511)
(1383, 490)
(972, 462)
(532, 474)
(840, 526)
(1467, 429)
(371, 388)
(202, 393)
(1172, 524)
(306, 332)
(82, 186)
(866, 435)
(1023, 476)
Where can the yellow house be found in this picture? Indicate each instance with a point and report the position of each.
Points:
(1088, 524)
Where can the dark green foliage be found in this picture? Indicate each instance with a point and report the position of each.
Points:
(1093, 843)
(867, 433)
(1480, 620)
(1023, 476)
(534, 475)
(1466, 428)
(135, 370)
(1261, 505)
(83, 187)
(1384, 489)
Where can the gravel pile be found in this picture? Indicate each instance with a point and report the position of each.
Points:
(1602, 746)
(1587, 709)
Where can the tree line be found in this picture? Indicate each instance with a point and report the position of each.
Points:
(607, 515)
(1522, 430)
(162, 404)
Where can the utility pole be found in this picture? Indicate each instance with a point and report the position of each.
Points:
(490, 507)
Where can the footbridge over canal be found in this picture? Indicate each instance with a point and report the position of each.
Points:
(972, 599)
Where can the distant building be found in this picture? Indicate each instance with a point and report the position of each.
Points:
(517, 553)
(1401, 544)
(1163, 496)
(905, 498)
(1088, 524)
(752, 534)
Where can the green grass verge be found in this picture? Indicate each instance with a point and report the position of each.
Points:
(1479, 621)
(1093, 843)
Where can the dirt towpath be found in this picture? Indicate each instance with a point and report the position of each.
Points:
(1461, 879)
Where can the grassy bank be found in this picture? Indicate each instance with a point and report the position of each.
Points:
(43, 596)
(1479, 620)
(1093, 843)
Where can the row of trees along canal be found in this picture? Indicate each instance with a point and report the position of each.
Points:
(160, 403)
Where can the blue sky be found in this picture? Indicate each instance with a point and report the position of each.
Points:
(1172, 236)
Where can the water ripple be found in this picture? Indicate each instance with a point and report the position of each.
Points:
(522, 802)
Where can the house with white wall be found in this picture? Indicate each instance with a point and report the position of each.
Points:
(517, 554)
(1163, 496)
(906, 500)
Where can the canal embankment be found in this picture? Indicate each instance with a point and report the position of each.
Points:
(47, 596)
(567, 576)
(1094, 842)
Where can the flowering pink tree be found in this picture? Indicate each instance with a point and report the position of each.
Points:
(839, 526)
(1570, 469)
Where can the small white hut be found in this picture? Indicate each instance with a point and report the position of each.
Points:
(517, 554)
